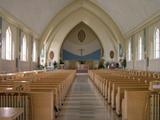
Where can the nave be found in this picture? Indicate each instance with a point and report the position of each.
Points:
(84, 102)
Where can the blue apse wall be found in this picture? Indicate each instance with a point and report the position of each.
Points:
(92, 56)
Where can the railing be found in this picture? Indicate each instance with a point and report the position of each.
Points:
(20, 100)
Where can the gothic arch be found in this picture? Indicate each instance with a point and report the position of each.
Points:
(91, 15)
(80, 40)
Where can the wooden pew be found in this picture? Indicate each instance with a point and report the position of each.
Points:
(51, 86)
(112, 84)
(134, 104)
(120, 95)
(123, 85)
(116, 83)
(38, 105)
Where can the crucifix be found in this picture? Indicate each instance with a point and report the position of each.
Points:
(81, 51)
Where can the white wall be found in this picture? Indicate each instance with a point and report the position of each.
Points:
(7, 66)
(100, 29)
(10, 66)
(154, 64)
(90, 44)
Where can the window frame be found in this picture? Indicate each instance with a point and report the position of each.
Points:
(129, 50)
(156, 44)
(8, 44)
(34, 51)
(24, 49)
(140, 48)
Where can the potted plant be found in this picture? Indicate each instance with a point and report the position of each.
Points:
(61, 64)
(82, 62)
(101, 64)
(55, 64)
(40, 67)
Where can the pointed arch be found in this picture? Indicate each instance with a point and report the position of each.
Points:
(24, 48)
(157, 43)
(81, 11)
(8, 47)
(93, 33)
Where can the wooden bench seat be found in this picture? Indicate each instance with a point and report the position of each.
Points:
(38, 105)
(120, 95)
(56, 93)
(134, 103)
(119, 85)
(54, 88)
(115, 84)
(46, 90)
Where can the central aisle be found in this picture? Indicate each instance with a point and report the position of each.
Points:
(85, 103)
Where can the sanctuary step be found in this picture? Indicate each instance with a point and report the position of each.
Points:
(82, 71)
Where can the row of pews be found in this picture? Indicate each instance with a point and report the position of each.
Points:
(127, 92)
(41, 94)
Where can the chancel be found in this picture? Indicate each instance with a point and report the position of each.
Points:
(79, 60)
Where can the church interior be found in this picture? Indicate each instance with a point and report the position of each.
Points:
(79, 60)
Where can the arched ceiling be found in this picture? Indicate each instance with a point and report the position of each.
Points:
(127, 14)
(36, 14)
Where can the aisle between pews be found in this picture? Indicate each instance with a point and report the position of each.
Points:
(85, 103)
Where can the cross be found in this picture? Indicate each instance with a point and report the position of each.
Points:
(81, 51)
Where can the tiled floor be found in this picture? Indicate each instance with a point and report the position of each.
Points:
(85, 103)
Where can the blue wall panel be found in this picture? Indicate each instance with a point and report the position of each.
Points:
(92, 56)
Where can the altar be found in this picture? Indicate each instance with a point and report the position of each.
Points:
(79, 66)
(82, 68)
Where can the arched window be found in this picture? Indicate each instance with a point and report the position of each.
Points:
(140, 48)
(129, 50)
(157, 43)
(34, 51)
(8, 47)
(24, 48)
